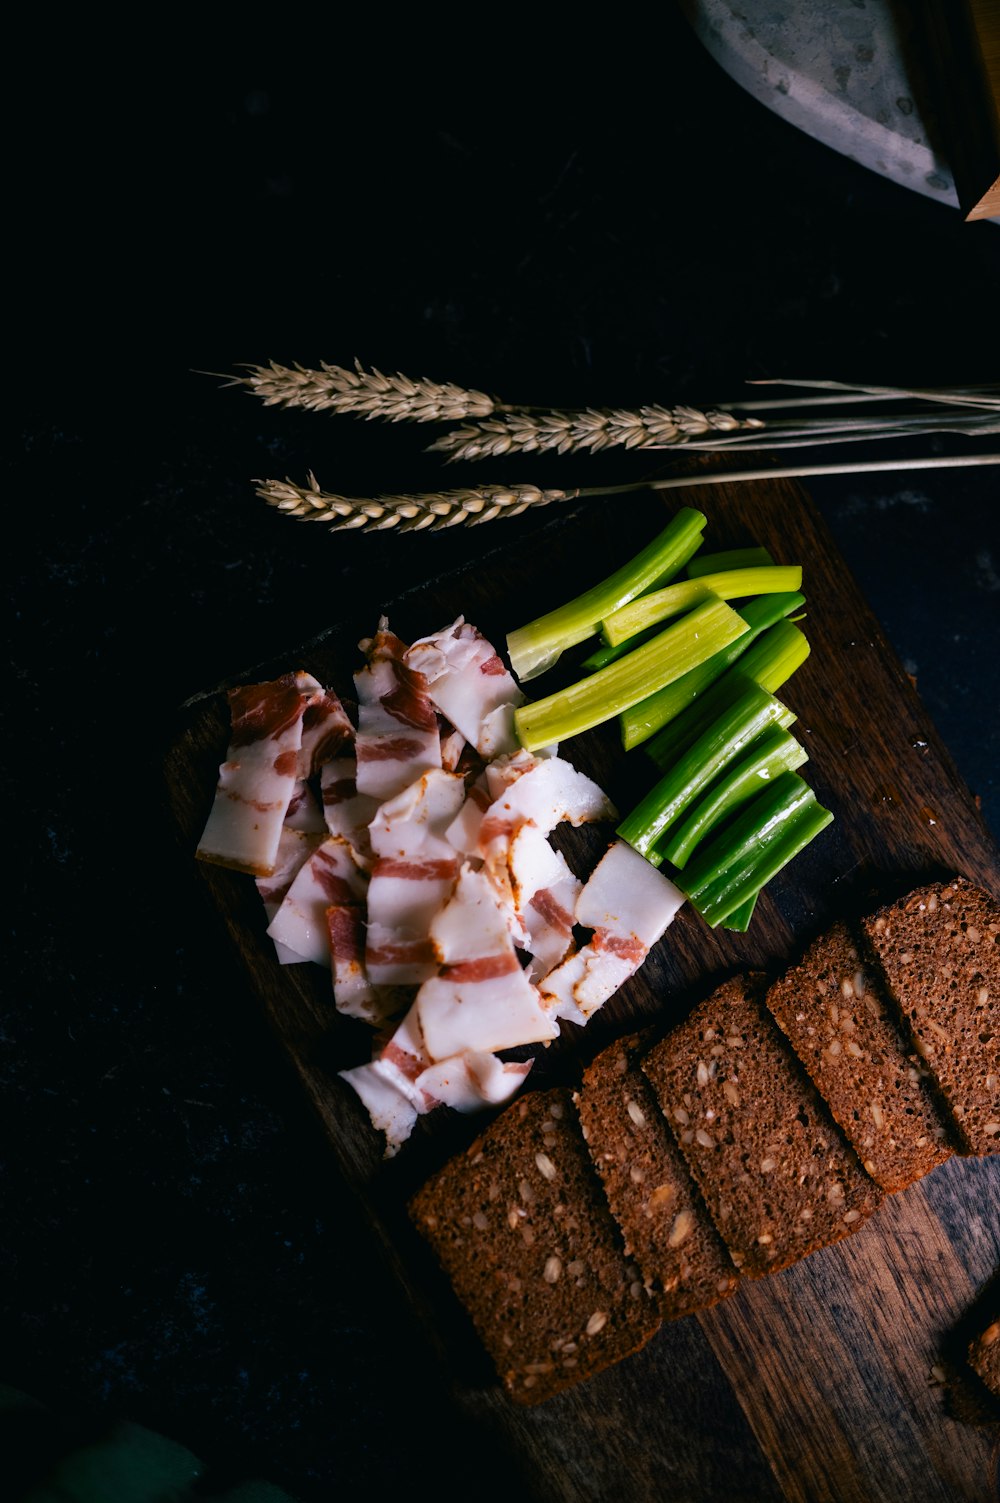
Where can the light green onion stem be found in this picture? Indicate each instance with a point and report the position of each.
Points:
(597, 698)
(765, 759)
(603, 654)
(771, 660)
(734, 558)
(751, 714)
(747, 854)
(647, 717)
(731, 584)
(537, 646)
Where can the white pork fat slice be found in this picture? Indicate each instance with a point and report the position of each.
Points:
(413, 876)
(294, 849)
(329, 877)
(481, 1001)
(467, 681)
(628, 904)
(542, 793)
(463, 832)
(326, 728)
(387, 1099)
(469, 1082)
(398, 733)
(388, 1084)
(258, 777)
(304, 813)
(544, 891)
(353, 993)
(545, 792)
(347, 812)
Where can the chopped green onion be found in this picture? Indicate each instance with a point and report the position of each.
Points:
(732, 584)
(771, 660)
(734, 558)
(603, 655)
(721, 743)
(739, 920)
(646, 718)
(597, 698)
(537, 646)
(765, 759)
(747, 854)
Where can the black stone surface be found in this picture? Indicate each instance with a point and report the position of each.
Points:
(610, 224)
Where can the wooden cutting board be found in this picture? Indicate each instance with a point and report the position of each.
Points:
(821, 1383)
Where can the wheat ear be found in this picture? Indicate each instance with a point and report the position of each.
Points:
(434, 510)
(368, 394)
(430, 511)
(593, 428)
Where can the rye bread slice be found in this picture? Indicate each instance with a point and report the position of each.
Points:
(844, 1030)
(521, 1226)
(664, 1221)
(984, 1356)
(777, 1177)
(939, 952)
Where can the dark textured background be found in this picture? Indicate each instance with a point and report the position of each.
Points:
(611, 224)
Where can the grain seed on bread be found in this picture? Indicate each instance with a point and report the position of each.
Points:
(775, 1173)
(938, 950)
(665, 1223)
(845, 1031)
(521, 1226)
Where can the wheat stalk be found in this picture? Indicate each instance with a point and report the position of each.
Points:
(530, 431)
(430, 511)
(502, 428)
(434, 510)
(671, 427)
(368, 394)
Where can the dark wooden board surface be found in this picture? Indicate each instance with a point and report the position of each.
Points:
(815, 1384)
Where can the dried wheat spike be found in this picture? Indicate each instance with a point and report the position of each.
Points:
(370, 394)
(431, 511)
(593, 429)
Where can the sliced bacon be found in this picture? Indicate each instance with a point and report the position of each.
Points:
(326, 728)
(347, 812)
(453, 745)
(469, 684)
(257, 779)
(628, 904)
(330, 877)
(353, 992)
(304, 813)
(398, 736)
(413, 876)
(468, 1082)
(294, 849)
(548, 918)
(264, 712)
(497, 1008)
(389, 1099)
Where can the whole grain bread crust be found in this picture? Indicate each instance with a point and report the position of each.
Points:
(844, 1029)
(938, 951)
(521, 1226)
(776, 1174)
(652, 1196)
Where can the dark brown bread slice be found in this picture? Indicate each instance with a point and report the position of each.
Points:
(843, 1029)
(522, 1228)
(984, 1356)
(652, 1196)
(939, 951)
(769, 1160)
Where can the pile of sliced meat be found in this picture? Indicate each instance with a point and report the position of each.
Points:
(411, 856)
